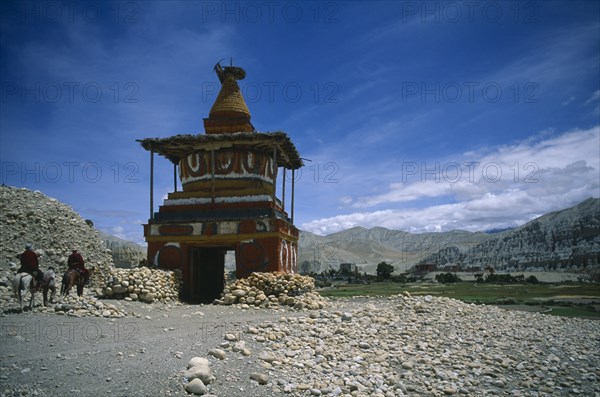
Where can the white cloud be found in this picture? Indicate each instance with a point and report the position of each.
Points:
(551, 164)
(509, 186)
(594, 98)
(347, 200)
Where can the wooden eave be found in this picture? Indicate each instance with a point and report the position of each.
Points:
(177, 147)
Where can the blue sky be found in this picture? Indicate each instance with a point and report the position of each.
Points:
(417, 116)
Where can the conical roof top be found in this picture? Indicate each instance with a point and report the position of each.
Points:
(229, 113)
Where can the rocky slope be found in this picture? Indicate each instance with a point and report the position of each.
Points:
(561, 240)
(52, 227)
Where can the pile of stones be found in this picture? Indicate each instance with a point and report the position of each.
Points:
(143, 284)
(86, 306)
(53, 228)
(198, 376)
(272, 290)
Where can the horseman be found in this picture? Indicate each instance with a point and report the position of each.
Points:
(75, 261)
(30, 263)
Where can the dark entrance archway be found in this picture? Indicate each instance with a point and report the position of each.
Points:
(207, 265)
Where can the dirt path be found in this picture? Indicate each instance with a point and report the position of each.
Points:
(130, 356)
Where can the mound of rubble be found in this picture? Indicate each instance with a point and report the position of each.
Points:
(53, 228)
(273, 289)
(144, 284)
(85, 305)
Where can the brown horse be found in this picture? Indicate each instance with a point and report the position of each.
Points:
(70, 279)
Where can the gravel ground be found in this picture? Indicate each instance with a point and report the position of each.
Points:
(402, 345)
(136, 355)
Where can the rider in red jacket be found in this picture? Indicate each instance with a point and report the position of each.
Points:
(30, 263)
(75, 261)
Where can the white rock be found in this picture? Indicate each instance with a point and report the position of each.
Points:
(268, 357)
(201, 372)
(218, 353)
(198, 361)
(196, 387)
(262, 379)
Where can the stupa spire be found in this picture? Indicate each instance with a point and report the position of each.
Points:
(229, 113)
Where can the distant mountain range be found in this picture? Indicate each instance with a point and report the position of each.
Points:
(563, 240)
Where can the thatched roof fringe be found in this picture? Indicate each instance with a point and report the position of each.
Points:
(178, 146)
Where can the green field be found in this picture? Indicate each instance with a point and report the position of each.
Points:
(573, 300)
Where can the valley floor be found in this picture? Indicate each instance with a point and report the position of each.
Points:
(565, 299)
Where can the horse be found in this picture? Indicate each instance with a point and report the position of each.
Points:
(21, 283)
(26, 282)
(49, 284)
(72, 278)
